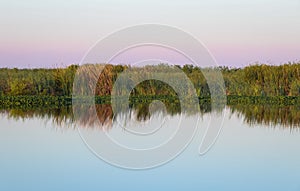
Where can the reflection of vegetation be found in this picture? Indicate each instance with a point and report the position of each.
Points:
(142, 109)
(88, 116)
(60, 116)
(261, 93)
(287, 116)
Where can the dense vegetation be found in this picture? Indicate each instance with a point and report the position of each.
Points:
(52, 82)
(271, 92)
(256, 80)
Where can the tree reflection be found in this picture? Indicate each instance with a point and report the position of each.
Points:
(270, 115)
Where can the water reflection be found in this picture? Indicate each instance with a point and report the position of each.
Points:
(59, 115)
(270, 115)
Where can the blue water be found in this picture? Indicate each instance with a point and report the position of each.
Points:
(36, 154)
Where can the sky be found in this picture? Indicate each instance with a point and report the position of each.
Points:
(37, 33)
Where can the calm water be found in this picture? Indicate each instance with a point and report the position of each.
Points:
(258, 149)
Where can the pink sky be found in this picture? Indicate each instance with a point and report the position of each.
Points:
(237, 33)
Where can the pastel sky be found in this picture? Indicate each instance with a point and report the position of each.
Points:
(37, 33)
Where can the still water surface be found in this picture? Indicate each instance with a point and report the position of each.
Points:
(258, 149)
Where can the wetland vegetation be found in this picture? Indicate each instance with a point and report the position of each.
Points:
(262, 94)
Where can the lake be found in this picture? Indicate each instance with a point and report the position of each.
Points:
(46, 149)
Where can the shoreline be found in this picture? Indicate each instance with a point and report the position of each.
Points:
(28, 101)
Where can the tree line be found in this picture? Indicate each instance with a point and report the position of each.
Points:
(254, 80)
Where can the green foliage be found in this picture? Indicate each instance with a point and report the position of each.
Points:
(28, 101)
(255, 80)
